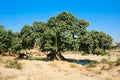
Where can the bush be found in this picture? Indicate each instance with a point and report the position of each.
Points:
(110, 63)
(91, 64)
(98, 51)
(118, 61)
(103, 60)
(13, 64)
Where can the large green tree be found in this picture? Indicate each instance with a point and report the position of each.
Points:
(61, 34)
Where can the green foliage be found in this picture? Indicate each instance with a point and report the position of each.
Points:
(5, 39)
(101, 40)
(13, 64)
(16, 44)
(26, 37)
(103, 60)
(86, 43)
(98, 51)
(110, 63)
(60, 33)
(94, 42)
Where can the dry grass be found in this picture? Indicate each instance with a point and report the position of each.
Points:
(117, 61)
(38, 69)
(73, 66)
(91, 65)
(13, 64)
(53, 64)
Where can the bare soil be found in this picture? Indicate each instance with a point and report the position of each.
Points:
(61, 70)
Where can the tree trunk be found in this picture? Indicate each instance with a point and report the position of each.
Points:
(55, 56)
(0, 52)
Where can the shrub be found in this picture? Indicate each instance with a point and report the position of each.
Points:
(111, 64)
(118, 61)
(13, 64)
(103, 60)
(98, 51)
(108, 66)
(107, 61)
(103, 68)
(91, 64)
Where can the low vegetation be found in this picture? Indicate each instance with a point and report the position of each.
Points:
(73, 66)
(13, 64)
(118, 61)
(104, 60)
(98, 51)
(39, 58)
(111, 64)
(91, 65)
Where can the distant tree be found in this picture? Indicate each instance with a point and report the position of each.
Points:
(5, 39)
(2, 34)
(94, 42)
(101, 40)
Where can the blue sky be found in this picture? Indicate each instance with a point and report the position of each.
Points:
(103, 15)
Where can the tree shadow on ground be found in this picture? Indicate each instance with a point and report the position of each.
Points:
(77, 61)
(81, 61)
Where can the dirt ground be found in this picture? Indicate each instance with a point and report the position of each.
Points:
(61, 70)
